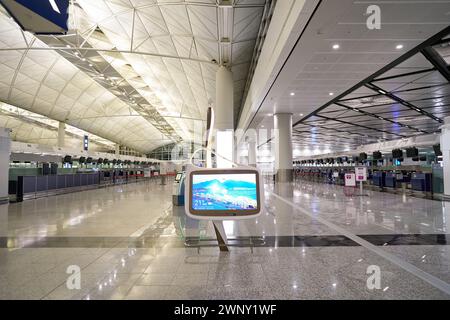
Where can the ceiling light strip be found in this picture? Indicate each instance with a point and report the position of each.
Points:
(380, 118)
(374, 87)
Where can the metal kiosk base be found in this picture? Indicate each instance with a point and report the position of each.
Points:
(222, 242)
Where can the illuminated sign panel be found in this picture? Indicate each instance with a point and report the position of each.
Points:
(86, 143)
(39, 16)
(178, 177)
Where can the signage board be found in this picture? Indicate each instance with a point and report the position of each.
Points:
(39, 16)
(350, 180)
(223, 194)
(147, 173)
(361, 174)
(178, 176)
(85, 143)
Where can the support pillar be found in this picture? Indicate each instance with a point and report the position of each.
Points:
(252, 149)
(445, 148)
(224, 142)
(283, 147)
(224, 117)
(252, 154)
(117, 150)
(5, 150)
(61, 134)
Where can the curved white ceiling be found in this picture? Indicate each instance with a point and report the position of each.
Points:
(164, 50)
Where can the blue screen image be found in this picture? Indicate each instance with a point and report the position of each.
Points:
(224, 192)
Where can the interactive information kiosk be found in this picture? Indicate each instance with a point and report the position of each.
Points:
(223, 194)
(178, 190)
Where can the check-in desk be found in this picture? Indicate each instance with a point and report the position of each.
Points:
(379, 179)
(421, 183)
(391, 180)
(32, 187)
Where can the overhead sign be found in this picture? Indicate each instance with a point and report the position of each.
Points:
(361, 174)
(86, 143)
(39, 16)
(223, 194)
(350, 180)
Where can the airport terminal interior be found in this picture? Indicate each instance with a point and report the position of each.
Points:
(224, 150)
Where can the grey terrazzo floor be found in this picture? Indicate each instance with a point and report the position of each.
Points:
(41, 238)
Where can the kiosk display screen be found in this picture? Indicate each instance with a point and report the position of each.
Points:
(226, 192)
(178, 177)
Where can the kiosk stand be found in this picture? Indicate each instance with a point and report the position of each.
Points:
(223, 194)
(221, 236)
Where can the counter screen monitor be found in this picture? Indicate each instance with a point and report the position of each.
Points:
(224, 193)
(412, 152)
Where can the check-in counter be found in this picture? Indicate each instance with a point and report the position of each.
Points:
(29, 187)
(391, 180)
(379, 179)
(36, 186)
(421, 182)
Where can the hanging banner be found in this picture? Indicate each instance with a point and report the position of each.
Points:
(39, 16)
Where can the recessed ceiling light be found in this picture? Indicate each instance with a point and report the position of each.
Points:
(336, 46)
(399, 47)
(331, 93)
(292, 94)
(262, 126)
(301, 114)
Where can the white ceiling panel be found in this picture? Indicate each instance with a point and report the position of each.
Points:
(166, 51)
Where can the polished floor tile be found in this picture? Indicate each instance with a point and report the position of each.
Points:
(129, 243)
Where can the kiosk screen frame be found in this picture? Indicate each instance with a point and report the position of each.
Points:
(225, 175)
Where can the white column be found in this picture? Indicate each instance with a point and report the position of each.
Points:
(61, 134)
(283, 147)
(117, 149)
(224, 119)
(252, 149)
(445, 148)
(5, 150)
